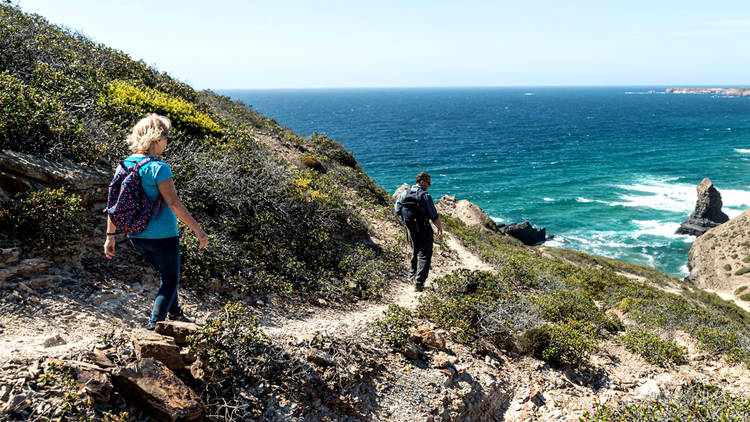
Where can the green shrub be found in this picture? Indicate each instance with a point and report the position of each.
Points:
(570, 343)
(652, 348)
(217, 261)
(332, 149)
(50, 220)
(312, 163)
(129, 98)
(458, 301)
(740, 290)
(743, 270)
(395, 326)
(694, 403)
(34, 121)
(727, 267)
(229, 340)
(562, 305)
(745, 297)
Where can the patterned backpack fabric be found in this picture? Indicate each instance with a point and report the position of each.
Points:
(127, 204)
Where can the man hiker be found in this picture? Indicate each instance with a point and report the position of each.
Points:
(415, 209)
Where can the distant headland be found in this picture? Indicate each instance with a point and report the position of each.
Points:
(727, 92)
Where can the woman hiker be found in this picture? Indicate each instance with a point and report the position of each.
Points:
(159, 242)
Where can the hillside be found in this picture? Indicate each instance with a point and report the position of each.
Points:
(300, 299)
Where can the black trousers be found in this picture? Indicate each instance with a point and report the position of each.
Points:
(420, 239)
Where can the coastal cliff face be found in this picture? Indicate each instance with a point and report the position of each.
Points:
(719, 260)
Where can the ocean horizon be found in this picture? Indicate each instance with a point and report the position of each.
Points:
(607, 170)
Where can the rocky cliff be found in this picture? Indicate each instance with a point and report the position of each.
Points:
(707, 213)
(719, 260)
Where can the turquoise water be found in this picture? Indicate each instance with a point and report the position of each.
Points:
(610, 171)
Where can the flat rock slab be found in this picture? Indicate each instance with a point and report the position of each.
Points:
(178, 330)
(149, 344)
(152, 385)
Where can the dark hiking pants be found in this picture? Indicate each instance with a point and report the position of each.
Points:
(164, 254)
(420, 239)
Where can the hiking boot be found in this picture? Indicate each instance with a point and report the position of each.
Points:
(419, 287)
(179, 317)
(151, 325)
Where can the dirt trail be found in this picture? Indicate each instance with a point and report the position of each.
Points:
(729, 296)
(332, 320)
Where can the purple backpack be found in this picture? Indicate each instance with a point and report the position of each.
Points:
(127, 204)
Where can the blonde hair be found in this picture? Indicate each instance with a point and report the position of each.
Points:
(146, 132)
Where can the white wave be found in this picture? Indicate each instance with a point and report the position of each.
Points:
(742, 150)
(587, 200)
(659, 194)
(528, 93)
(496, 219)
(684, 270)
(549, 199)
(659, 228)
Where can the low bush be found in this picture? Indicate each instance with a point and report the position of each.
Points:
(694, 403)
(740, 290)
(332, 149)
(563, 305)
(395, 326)
(656, 351)
(123, 97)
(50, 220)
(32, 120)
(459, 300)
(743, 270)
(230, 340)
(569, 343)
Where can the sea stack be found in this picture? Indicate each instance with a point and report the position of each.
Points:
(707, 213)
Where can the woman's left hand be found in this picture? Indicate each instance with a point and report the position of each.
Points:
(109, 247)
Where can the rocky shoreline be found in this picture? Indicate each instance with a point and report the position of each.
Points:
(724, 92)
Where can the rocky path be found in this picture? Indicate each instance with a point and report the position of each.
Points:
(356, 316)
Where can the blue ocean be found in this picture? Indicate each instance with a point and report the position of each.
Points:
(610, 171)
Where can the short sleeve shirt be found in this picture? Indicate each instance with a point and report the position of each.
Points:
(163, 224)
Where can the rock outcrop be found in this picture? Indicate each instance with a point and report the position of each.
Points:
(153, 385)
(707, 213)
(468, 212)
(149, 344)
(472, 215)
(178, 330)
(21, 172)
(524, 232)
(720, 259)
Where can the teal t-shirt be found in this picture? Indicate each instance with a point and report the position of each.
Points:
(165, 223)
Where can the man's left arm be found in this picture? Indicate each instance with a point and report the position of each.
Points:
(432, 212)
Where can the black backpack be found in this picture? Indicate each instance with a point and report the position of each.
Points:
(412, 211)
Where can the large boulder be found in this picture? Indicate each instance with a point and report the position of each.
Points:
(468, 212)
(525, 232)
(178, 330)
(21, 172)
(149, 344)
(707, 213)
(152, 385)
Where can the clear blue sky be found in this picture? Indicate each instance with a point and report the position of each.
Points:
(323, 43)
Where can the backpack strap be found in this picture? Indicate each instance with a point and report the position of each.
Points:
(141, 164)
